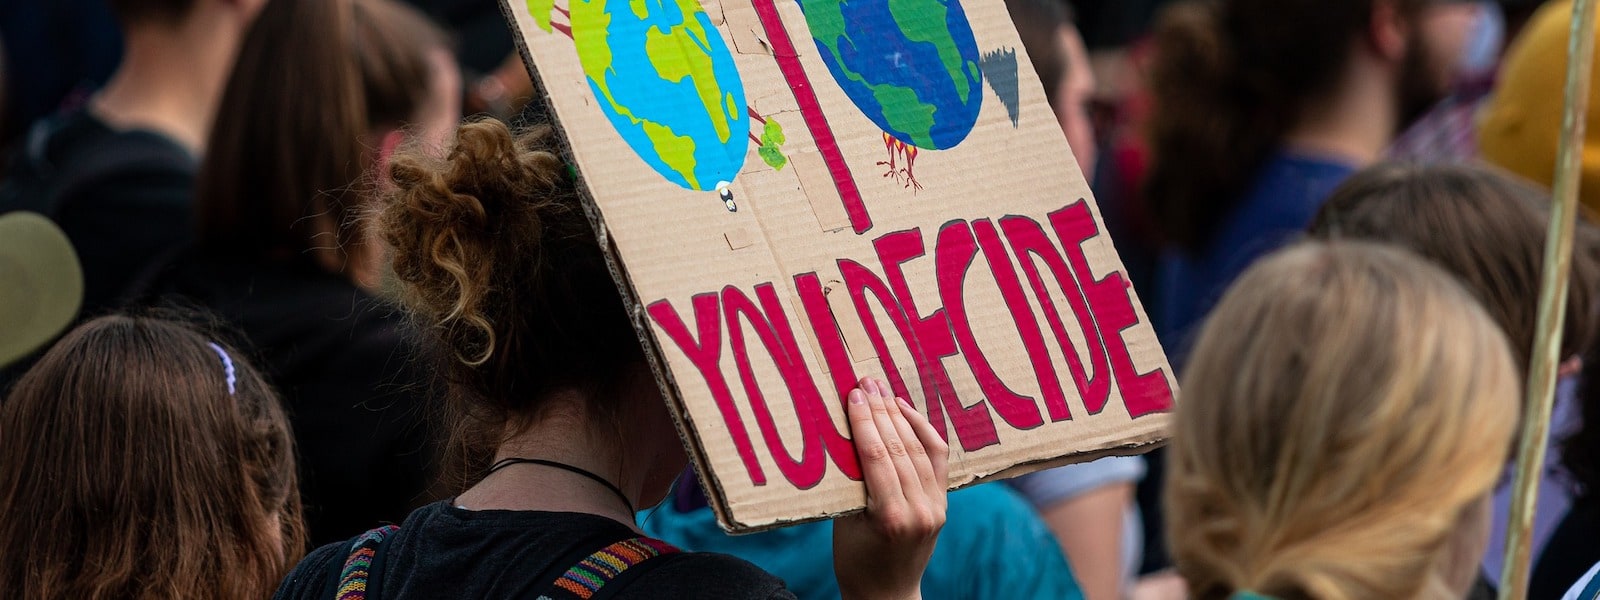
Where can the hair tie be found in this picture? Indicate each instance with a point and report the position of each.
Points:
(227, 364)
(1249, 595)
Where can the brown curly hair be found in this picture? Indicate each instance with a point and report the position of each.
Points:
(500, 265)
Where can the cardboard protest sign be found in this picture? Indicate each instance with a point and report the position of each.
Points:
(799, 193)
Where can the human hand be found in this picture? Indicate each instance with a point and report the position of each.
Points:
(880, 554)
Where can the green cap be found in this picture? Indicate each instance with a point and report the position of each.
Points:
(41, 284)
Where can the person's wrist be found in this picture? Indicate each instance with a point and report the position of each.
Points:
(854, 593)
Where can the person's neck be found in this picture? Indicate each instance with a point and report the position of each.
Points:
(1356, 124)
(171, 80)
(564, 436)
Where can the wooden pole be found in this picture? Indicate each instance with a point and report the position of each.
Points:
(1552, 305)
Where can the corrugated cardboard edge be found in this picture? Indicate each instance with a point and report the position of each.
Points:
(619, 276)
(1136, 448)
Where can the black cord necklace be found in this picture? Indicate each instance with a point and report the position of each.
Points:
(565, 467)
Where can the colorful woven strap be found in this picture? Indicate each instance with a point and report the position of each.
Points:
(585, 579)
(357, 568)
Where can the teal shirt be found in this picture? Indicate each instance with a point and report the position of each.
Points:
(993, 545)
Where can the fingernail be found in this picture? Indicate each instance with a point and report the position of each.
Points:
(856, 397)
(907, 405)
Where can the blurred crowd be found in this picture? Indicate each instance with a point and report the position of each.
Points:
(298, 299)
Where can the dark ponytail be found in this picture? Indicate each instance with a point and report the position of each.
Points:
(1228, 80)
(287, 144)
(312, 81)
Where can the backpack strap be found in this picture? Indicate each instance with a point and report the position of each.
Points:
(356, 574)
(585, 579)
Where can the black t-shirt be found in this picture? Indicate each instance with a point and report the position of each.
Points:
(346, 366)
(446, 552)
(124, 197)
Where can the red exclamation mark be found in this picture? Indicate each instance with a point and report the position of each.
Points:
(811, 112)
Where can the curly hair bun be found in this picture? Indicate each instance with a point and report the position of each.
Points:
(498, 262)
(452, 222)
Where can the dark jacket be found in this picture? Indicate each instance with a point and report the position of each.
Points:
(345, 364)
(124, 197)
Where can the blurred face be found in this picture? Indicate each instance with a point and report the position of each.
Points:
(436, 123)
(433, 127)
(1072, 107)
(1434, 51)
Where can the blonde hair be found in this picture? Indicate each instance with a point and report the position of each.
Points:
(1347, 406)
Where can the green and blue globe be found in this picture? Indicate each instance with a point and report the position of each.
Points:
(666, 81)
(910, 65)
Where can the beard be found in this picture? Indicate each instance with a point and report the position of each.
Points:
(1422, 83)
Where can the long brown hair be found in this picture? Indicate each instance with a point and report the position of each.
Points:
(314, 78)
(499, 263)
(1348, 408)
(141, 460)
(1228, 80)
(1481, 225)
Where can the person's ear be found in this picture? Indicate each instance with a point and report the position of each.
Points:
(387, 145)
(1387, 31)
